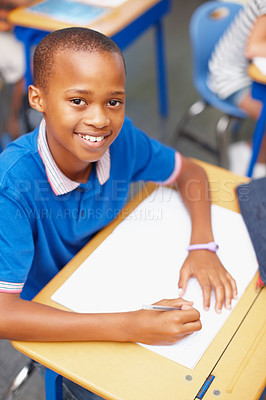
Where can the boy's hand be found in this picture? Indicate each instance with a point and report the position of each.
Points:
(164, 327)
(206, 267)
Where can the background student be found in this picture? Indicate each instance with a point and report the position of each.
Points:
(12, 64)
(242, 41)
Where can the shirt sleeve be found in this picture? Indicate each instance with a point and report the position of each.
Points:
(16, 245)
(261, 4)
(176, 171)
(150, 160)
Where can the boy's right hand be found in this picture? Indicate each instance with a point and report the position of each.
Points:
(164, 327)
(38, 322)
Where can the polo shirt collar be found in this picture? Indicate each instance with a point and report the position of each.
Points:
(59, 182)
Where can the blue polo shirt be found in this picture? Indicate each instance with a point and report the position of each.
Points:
(46, 218)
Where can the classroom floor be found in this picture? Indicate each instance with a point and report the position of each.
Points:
(142, 108)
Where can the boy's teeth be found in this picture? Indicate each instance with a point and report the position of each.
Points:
(92, 138)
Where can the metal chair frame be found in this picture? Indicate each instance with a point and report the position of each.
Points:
(205, 32)
(18, 382)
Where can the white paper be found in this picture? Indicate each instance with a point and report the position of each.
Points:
(139, 264)
(260, 63)
(103, 3)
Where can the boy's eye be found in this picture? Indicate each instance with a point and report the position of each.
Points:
(78, 102)
(114, 103)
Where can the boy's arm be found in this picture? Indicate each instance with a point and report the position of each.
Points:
(256, 44)
(14, 3)
(192, 184)
(30, 321)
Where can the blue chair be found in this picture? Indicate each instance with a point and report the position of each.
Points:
(205, 29)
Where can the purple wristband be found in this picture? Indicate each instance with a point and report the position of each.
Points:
(211, 246)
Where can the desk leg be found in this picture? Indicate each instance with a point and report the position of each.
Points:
(161, 70)
(53, 385)
(263, 395)
(257, 139)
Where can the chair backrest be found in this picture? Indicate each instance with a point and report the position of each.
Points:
(207, 25)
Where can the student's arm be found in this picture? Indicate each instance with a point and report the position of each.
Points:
(14, 3)
(202, 264)
(30, 321)
(256, 45)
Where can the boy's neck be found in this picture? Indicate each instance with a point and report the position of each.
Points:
(77, 171)
(80, 176)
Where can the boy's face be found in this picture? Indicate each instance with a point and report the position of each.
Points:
(84, 107)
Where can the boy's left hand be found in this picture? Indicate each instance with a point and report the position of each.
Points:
(206, 267)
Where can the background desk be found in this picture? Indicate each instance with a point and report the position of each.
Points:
(128, 371)
(123, 24)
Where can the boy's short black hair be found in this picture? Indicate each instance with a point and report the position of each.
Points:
(74, 39)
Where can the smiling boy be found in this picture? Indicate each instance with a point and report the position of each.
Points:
(82, 160)
(92, 79)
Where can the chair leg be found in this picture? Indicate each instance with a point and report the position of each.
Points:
(197, 108)
(263, 394)
(183, 131)
(222, 139)
(14, 388)
(161, 71)
(53, 385)
(194, 110)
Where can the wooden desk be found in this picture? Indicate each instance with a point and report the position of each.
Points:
(128, 371)
(259, 93)
(123, 24)
(256, 74)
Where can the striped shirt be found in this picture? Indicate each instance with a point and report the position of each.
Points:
(228, 63)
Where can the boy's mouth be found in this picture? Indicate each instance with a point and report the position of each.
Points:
(93, 141)
(92, 138)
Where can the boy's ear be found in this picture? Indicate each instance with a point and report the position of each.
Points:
(36, 99)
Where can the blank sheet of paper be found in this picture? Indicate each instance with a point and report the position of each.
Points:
(139, 264)
(260, 62)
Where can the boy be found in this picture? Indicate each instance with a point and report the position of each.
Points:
(70, 164)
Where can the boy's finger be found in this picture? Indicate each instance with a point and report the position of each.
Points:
(191, 327)
(187, 316)
(219, 296)
(181, 302)
(230, 291)
(185, 304)
(174, 302)
(182, 283)
(228, 294)
(206, 292)
(234, 286)
(185, 307)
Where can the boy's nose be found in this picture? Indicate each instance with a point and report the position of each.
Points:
(97, 116)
